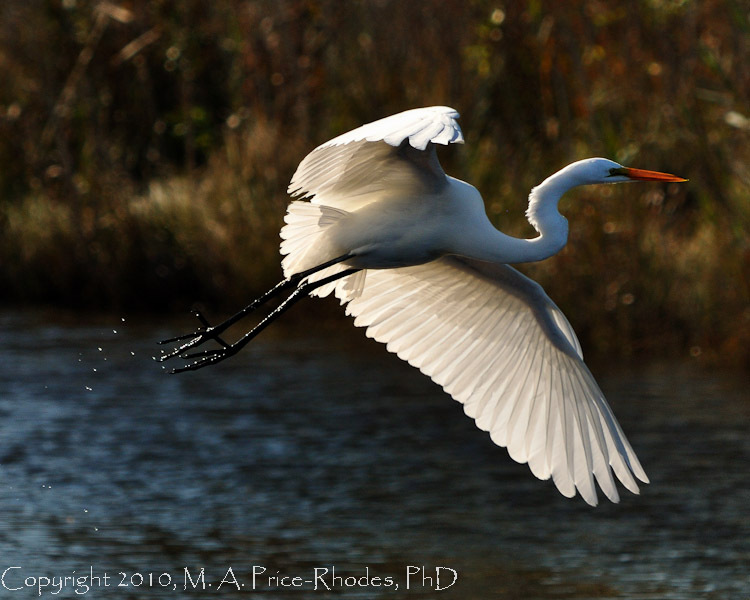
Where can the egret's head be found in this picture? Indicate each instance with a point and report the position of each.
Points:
(603, 170)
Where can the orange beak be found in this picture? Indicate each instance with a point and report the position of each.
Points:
(643, 175)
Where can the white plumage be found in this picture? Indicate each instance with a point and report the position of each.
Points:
(412, 254)
(487, 334)
(496, 343)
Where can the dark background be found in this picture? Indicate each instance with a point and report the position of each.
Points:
(146, 146)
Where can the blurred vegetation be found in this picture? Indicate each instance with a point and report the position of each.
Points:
(147, 144)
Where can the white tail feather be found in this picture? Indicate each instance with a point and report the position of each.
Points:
(306, 244)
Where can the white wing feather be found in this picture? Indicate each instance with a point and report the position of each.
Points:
(421, 125)
(353, 169)
(495, 342)
(488, 335)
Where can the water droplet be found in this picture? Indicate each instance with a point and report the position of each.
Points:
(132, 353)
(89, 389)
(99, 349)
(114, 331)
(94, 369)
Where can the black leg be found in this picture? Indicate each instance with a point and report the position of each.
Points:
(208, 332)
(213, 356)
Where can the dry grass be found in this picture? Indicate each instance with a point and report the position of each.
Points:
(146, 148)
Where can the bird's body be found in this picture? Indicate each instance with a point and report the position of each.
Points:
(403, 230)
(413, 255)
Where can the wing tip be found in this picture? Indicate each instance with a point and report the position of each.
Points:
(593, 502)
(369, 133)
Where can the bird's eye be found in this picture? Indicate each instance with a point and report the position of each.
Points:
(612, 172)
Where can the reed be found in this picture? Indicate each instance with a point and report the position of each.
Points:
(146, 148)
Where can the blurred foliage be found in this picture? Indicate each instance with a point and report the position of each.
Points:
(146, 144)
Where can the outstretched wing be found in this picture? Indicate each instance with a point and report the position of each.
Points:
(389, 156)
(495, 341)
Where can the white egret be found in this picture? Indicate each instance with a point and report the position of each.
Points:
(412, 254)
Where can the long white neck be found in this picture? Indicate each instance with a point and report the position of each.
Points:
(543, 215)
(487, 243)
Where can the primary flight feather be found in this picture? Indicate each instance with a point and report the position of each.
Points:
(412, 254)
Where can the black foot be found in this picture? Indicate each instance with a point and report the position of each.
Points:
(207, 332)
(205, 358)
(199, 337)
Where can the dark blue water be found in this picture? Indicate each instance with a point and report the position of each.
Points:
(308, 453)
